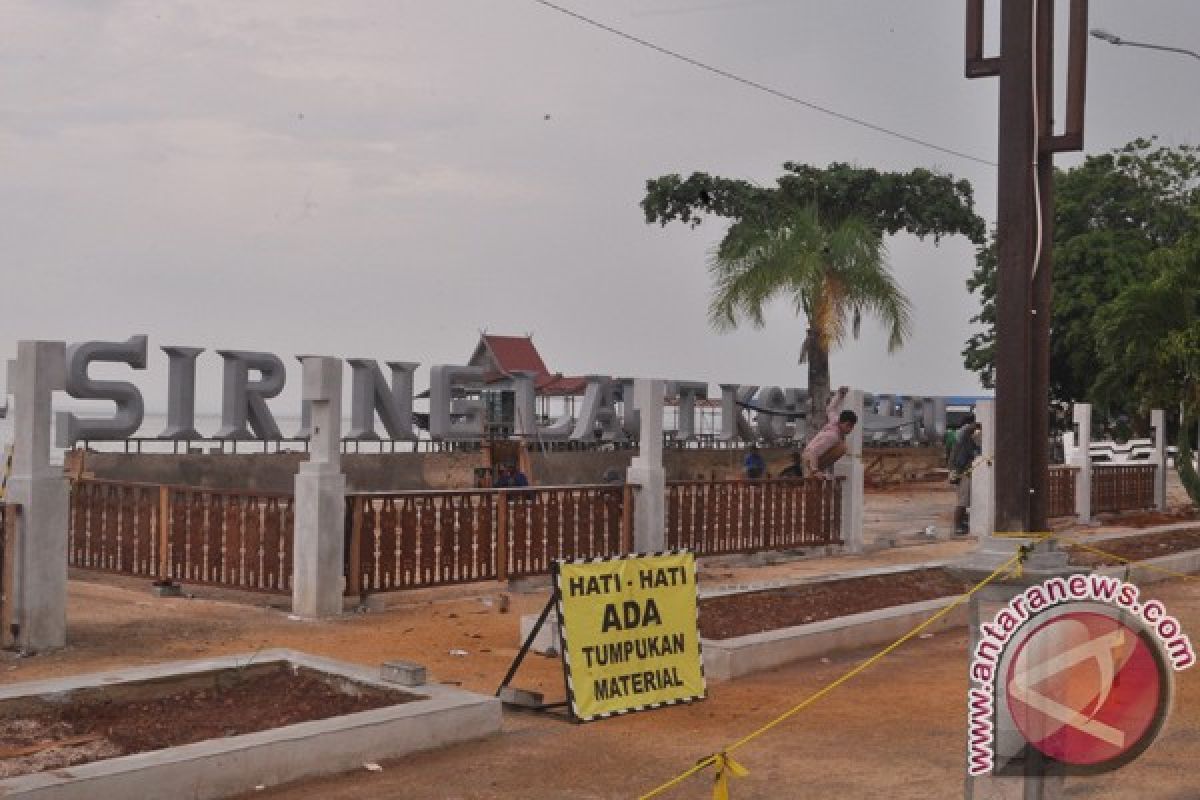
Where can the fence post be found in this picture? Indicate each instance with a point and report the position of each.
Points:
(1082, 458)
(1158, 421)
(501, 501)
(983, 482)
(318, 560)
(164, 533)
(853, 470)
(627, 519)
(39, 577)
(646, 470)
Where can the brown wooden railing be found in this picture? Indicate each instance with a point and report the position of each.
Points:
(714, 517)
(406, 540)
(1122, 488)
(228, 538)
(1060, 487)
(9, 514)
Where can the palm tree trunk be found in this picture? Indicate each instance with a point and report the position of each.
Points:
(818, 381)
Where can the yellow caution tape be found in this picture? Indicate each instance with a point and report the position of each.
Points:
(725, 765)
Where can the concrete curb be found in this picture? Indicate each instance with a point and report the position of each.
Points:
(726, 659)
(223, 767)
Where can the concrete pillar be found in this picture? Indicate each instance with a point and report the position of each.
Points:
(1082, 459)
(851, 467)
(525, 424)
(983, 478)
(39, 573)
(1158, 421)
(318, 560)
(646, 472)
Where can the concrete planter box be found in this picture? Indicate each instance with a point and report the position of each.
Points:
(725, 659)
(223, 767)
(1187, 562)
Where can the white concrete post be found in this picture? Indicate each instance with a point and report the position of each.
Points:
(1158, 421)
(852, 469)
(983, 477)
(318, 561)
(39, 593)
(646, 472)
(1082, 458)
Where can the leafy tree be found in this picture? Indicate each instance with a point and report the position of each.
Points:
(1148, 344)
(1110, 214)
(816, 238)
(1148, 336)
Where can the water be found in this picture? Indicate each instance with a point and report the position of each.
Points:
(153, 424)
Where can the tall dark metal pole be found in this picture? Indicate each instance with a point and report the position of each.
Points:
(1040, 290)
(1015, 222)
(1025, 234)
(1024, 241)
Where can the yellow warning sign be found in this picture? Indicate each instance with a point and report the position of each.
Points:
(630, 639)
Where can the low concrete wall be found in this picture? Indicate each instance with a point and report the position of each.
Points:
(890, 465)
(276, 472)
(378, 472)
(237, 764)
(725, 659)
(585, 466)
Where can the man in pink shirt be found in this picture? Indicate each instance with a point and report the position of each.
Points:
(828, 445)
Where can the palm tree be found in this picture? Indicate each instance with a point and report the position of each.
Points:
(831, 275)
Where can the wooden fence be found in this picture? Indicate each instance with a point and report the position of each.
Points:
(237, 539)
(1122, 488)
(1060, 487)
(714, 517)
(407, 540)
(9, 514)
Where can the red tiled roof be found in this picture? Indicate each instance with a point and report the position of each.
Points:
(515, 353)
(512, 353)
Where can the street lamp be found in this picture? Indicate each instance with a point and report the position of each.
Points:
(1112, 38)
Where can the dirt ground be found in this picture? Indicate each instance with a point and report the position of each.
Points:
(1137, 548)
(896, 731)
(730, 615)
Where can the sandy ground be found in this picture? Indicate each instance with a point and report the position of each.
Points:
(896, 731)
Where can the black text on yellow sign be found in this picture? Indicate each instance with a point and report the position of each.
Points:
(629, 633)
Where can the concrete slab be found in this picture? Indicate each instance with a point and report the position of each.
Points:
(221, 768)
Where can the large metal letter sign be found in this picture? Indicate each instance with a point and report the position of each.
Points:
(370, 394)
(130, 410)
(244, 400)
(181, 393)
(451, 418)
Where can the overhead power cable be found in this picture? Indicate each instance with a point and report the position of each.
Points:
(763, 87)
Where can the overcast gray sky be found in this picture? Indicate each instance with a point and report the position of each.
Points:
(384, 179)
